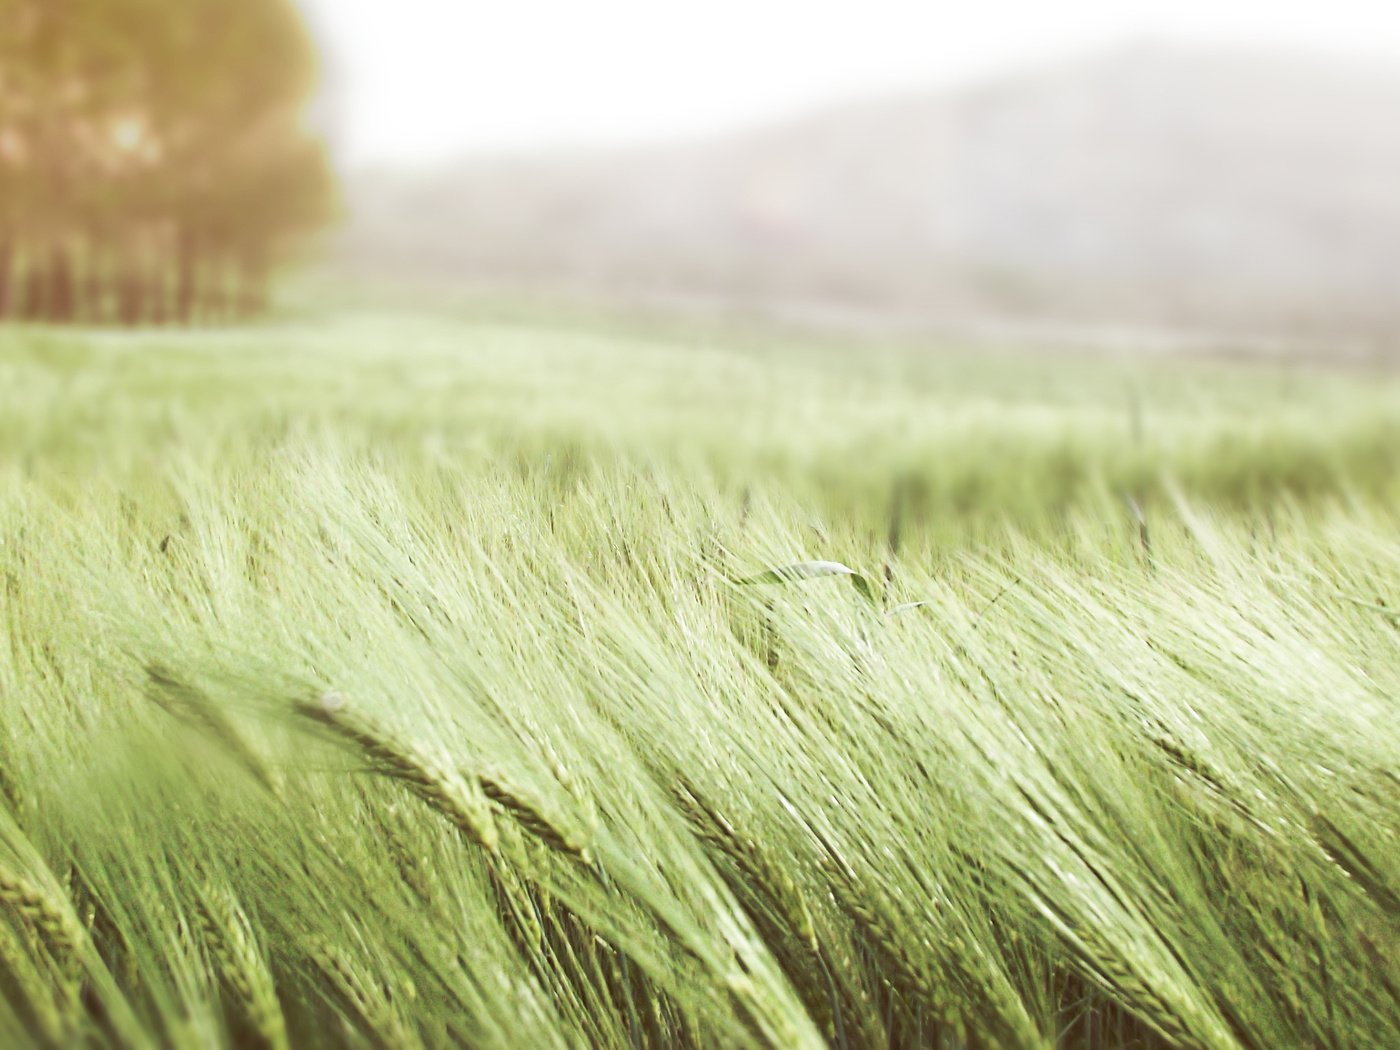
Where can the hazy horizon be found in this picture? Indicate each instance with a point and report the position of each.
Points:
(421, 84)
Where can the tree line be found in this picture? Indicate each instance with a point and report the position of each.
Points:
(154, 159)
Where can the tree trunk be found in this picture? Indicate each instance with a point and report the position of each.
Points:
(61, 292)
(130, 302)
(33, 304)
(94, 296)
(186, 274)
(157, 295)
(7, 262)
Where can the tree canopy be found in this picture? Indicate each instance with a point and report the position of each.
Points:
(154, 159)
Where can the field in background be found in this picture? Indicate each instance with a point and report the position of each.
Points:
(418, 683)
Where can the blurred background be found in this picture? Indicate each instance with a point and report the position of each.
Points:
(1139, 173)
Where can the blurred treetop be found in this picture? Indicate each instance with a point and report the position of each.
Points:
(154, 162)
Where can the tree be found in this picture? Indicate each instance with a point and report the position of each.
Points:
(246, 179)
(155, 146)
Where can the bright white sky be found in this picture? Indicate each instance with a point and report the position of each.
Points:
(418, 80)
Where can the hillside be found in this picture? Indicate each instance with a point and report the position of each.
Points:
(1152, 185)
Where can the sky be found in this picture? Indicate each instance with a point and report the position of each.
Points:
(411, 81)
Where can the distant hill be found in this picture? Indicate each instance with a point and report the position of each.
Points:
(1217, 190)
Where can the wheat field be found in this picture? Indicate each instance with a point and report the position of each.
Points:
(495, 682)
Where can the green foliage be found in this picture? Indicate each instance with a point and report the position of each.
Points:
(384, 683)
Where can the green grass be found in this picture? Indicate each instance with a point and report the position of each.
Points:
(397, 682)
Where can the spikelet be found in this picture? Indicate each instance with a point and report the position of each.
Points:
(56, 925)
(242, 967)
(457, 798)
(516, 906)
(782, 892)
(19, 967)
(905, 975)
(529, 817)
(52, 923)
(412, 864)
(1139, 996)
(366, 998)
(822, 973)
